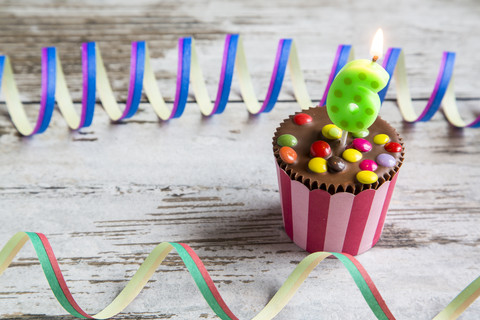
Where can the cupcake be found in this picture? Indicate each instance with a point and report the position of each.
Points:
(335, 190)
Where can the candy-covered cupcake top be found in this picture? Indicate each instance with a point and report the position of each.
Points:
(307, 146)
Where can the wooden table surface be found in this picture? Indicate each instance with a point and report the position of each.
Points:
(107, 194)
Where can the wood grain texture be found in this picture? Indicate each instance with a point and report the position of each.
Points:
(106, 195)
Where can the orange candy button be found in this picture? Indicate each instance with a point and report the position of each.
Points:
(288, 155)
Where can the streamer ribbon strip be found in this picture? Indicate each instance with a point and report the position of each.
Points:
(142, 78)
(206, 285)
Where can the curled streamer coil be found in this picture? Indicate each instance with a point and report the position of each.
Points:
(95, 79)
(206, 285)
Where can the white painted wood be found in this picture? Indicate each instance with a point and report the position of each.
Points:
(106, 195)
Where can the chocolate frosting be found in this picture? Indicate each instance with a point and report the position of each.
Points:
(332, 181)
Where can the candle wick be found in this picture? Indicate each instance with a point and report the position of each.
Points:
(343, 139)
(375, 58)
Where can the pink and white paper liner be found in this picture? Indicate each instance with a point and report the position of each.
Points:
(318, 221)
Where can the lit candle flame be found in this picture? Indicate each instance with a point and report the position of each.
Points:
(376, 50)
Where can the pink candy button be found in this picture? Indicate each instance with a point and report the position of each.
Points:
(368, 165)
(362, 145)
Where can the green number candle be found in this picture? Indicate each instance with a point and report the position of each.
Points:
(352, 101)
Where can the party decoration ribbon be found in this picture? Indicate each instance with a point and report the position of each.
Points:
(142, 78)
(206, 285)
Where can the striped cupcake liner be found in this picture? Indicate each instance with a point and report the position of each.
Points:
(318, 221)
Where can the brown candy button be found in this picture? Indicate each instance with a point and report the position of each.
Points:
(336, 164)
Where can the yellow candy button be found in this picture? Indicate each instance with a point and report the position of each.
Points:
(317, 165)
(381, 139)
(352, 155)
(367, 177)
(331, 131)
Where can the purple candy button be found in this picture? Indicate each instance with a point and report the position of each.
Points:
(386, 160)
(361, 145)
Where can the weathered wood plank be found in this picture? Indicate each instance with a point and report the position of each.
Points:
(106, 195)
(26, 27)
(120, 206)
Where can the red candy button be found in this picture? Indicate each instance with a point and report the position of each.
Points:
(288, 155)
(393, 147)
(320, 149)
(302, 119)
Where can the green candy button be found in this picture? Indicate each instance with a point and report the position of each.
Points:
(287, 140)
(361, 134)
